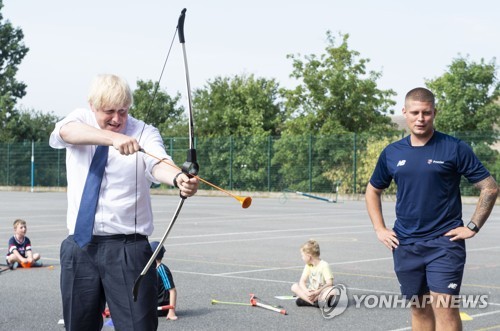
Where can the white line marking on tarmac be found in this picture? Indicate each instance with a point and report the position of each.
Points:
(260, 238)
(300, 267)
(234, 277)
(189, 219)
(483, 249)
(274, 281)
(269, 231)
(363, 290)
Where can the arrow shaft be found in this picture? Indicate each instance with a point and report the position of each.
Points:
(230, 303)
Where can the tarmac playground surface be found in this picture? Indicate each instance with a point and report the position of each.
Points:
(219, 251)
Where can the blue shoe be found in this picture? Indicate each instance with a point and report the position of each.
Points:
(37, 264)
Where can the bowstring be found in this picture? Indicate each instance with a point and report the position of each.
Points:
(148, 110)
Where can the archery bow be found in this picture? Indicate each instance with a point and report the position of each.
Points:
(190, 167)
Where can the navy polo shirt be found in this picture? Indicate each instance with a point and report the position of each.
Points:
(428, 179)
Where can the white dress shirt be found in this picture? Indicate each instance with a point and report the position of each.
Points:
(124, 196)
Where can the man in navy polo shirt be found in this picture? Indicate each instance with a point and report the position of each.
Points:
(428, 238)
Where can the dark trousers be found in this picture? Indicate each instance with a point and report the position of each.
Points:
(105, 271)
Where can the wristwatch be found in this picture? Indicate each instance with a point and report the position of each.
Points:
(473, 227)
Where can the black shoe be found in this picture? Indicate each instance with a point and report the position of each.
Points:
(303, 303)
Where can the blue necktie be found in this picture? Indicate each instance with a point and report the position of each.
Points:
(88, 203)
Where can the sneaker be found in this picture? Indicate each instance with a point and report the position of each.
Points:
(13, 266)
(303, 303)
(37, 264)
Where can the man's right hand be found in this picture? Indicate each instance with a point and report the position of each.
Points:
(125, 145)
(388, 238)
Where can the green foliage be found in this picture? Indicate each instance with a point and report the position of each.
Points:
(467, 100)
(236, 163)
(249, 163)
(155, 106)
(468, 106)
(15, 164)
(489, 156)
(28, 125)
(247, 110)
(306, 163)
(12, 52)
(293, 175)
(238, 106)
(368, 158)
(336, 94)
(366, 149)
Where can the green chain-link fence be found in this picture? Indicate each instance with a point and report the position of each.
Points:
(270, 164)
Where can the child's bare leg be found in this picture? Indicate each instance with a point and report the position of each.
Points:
(301, 293)
(13, 261)
(12, 258)
(173, 301)
(36, 256)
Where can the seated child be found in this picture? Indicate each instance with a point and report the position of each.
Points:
(20, 252)
(316, 283)
(167, 294)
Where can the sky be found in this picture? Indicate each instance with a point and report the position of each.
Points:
(71, 42)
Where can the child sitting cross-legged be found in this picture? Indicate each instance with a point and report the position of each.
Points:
(20, 252)
(316, 283)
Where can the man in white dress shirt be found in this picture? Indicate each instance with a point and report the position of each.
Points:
(105, 269)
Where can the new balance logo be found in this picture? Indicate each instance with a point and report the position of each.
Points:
(452, 286)
(401, 163)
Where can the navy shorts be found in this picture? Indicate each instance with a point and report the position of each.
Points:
(435, 265)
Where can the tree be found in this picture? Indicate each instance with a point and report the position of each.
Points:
(24, 130)
(12, 52)
(468, 107)
(238, 106)
(28, 125)
(153, 105)
(366, 162)
(336, 94)
(467, 100)
(236, 117)
(335, 101)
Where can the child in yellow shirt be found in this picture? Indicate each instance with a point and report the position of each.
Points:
(316, 281)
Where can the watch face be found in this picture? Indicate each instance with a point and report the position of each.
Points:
(473, 227)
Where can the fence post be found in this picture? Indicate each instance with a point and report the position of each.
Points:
(58, 167)
(230, 162)
(8, 163)
(354, 162)
(32, 164)
(269, 142)
(309, 166)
